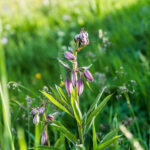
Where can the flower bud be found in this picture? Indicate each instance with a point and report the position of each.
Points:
(74, 78)
(44, 138)
(88, 75)
(80, 87)
(69, 56)
(50, 118)
(36, 119)
(34, 111)
(41, 110)
(68, 86)
(82, 38)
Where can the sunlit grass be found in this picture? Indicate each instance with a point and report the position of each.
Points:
(36, 33)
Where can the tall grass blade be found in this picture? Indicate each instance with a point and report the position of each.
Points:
(5, 103)
(130, 137)
(94, 136)
(21, 139)
(37, 135)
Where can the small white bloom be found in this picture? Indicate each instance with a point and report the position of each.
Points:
(45, 2)
(100, 33)
(4, 40)
(36, 119)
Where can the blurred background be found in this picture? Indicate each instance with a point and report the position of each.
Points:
(34, 33)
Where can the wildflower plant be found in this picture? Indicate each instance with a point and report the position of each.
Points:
(74, 85)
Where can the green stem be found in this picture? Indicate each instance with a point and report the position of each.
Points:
(48, 140)
(80, 134)
(75, 65)
(132, 114)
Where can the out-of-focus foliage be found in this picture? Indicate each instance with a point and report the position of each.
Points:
(34, 33)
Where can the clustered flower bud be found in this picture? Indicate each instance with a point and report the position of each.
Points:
(68, 86)
(88, 75)
(41, 110)
(69, 56)
(34, 111)
(36, 119)
(74, 78)
(82, 38)
(44, 138)
(80, 87)
(50, 118)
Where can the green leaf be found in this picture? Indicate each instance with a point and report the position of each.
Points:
(65, 131)
(56, 95)
(60, 143)
(85, 67)
(76, 109)
(94, 136)
(44, 148)
(80, 147)
(55, 102)
(61, 97)
(96, 101)
(98, 109)
(64, 64)
(60, 91)
(107, 143)
(110, 135)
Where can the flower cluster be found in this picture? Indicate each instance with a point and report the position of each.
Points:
(36, 112)
(39, 111)
(81, 40)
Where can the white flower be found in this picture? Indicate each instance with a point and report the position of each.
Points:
(4, 40)
(45, 2)
(100, 33)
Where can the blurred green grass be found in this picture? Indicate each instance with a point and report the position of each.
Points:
(39, 33)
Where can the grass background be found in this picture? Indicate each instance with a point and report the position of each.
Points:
(39, 33)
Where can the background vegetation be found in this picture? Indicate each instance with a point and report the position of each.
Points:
(35, 33)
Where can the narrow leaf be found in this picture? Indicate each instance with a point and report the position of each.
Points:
(64, 64)
(85, 67)
(60, 91)
(62, 96)
(94, 136)
(59, 97)
(107, 143)
(55, 102)
(56, 95)
(76, 109)
(60, 143)
(98, 109)
(96, 101)
(65, 131)
(110, 135)
(80, 147)
(44, 148)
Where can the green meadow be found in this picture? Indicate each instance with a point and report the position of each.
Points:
(34, 35)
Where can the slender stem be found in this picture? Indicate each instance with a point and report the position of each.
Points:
(75, 66)
(48, 140)
(132, 114)
(80, 130)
